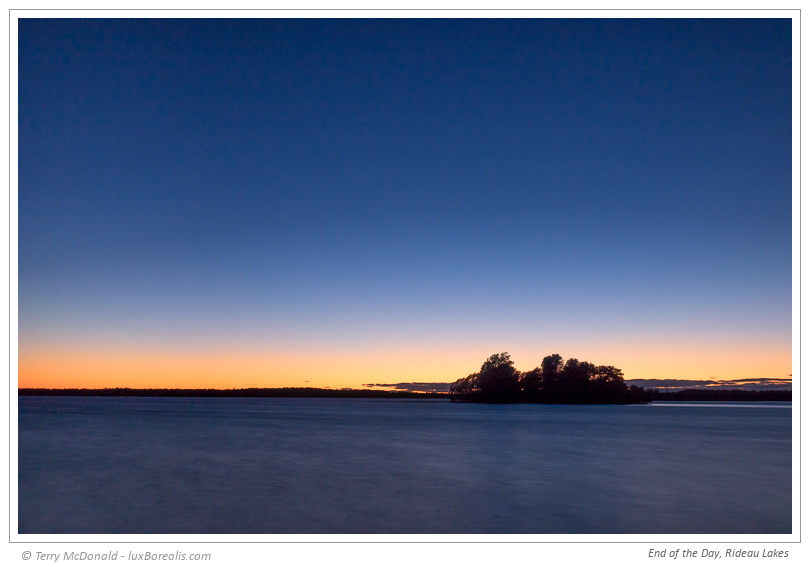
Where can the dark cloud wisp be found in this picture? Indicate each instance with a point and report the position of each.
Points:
(415, 386)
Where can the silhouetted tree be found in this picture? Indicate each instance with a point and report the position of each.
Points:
(549, 375)
(464, 389)
(498, 379)
(531, 382)
(608, 374)
(573, 380)
(608, 384)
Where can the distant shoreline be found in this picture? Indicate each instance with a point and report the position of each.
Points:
(713, 395)
(230, 393)
(697, 395)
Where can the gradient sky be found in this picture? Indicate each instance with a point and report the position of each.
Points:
(228, 203)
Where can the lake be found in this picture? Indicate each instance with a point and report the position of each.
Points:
(295, 465)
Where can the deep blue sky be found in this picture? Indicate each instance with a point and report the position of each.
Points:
(379, 184)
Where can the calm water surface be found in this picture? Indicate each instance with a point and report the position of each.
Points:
(274, 465)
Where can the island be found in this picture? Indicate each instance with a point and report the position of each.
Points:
(553, 382)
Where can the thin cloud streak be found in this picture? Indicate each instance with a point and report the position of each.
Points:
(740, 384)
(415, 386)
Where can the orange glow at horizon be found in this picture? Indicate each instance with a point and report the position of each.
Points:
(161, 368)
(227, 369)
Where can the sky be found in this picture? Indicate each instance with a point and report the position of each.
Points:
(259, 203)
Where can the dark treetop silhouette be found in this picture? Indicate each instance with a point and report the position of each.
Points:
(553, 382)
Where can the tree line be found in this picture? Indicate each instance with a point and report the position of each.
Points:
(553, 382)
(722, 395)
(233, 393)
